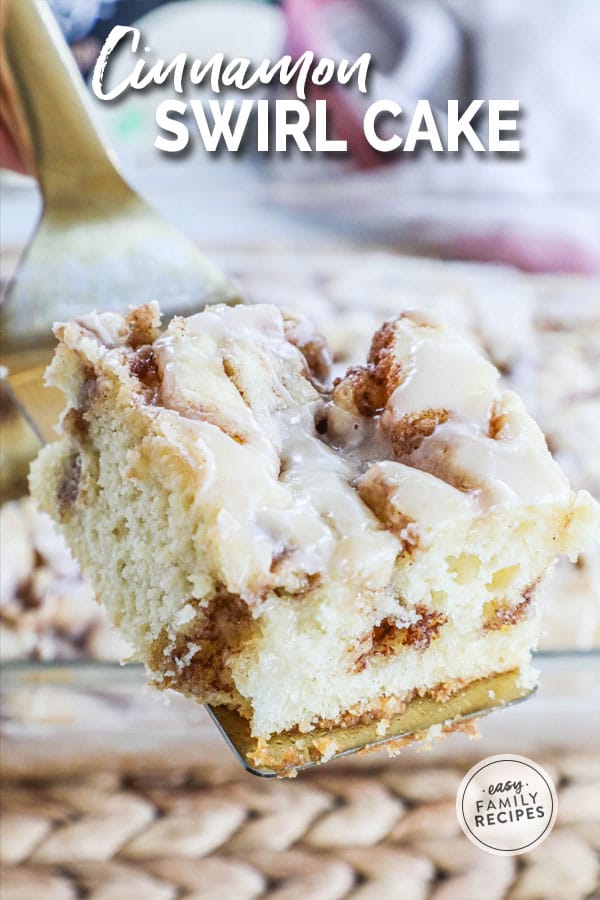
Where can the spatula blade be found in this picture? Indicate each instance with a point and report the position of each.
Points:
(289, 753)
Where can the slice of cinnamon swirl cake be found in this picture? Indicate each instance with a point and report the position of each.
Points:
(308, 555)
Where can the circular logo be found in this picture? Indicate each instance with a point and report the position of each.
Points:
(506, 805)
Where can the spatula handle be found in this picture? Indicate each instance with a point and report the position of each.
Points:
(47, 108)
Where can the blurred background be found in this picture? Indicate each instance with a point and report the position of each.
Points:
(107, 790)
(538, 209)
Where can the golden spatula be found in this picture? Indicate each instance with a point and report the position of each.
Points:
(98, 245)
(423, 719)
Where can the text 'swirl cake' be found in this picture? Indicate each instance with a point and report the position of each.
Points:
(305, 554)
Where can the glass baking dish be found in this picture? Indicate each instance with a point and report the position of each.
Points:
(62, 718)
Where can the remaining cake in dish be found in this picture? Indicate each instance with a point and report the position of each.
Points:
(305, 554)
(47, 609)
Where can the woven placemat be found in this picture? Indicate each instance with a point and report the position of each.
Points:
(217, 833)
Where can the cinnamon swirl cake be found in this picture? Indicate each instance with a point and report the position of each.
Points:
(305, 553)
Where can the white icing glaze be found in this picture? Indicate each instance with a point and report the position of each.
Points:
(440, 370)
(508, 470)
(238, 396)
(446, 372)
(106, 327)
(286, 498)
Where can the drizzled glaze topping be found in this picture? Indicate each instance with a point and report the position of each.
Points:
(446, 415)
(286, 498)
(311, 483)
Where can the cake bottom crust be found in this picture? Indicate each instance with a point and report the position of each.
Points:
(389, 723)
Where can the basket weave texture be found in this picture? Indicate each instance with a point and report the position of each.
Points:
(217, 833)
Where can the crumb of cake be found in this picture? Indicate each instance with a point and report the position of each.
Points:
(143, 366)
(501, 615)
(326, 747)
(382, 727)
(367, 389)
(197, 651)
(410, 431)
(311, 344)
(470, 727)
(388, 636)
(67, 489)
(142, 326)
